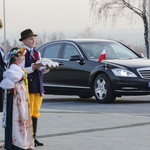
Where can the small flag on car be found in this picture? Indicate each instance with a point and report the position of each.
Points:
(102, 56)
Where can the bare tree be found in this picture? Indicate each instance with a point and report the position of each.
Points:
(47, 37)
(15, 44)
(115, 9)
(56, 36)
(86, 33)
(8, 46)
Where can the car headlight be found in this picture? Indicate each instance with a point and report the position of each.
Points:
(123, 73)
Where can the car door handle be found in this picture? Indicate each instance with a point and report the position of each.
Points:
(61, 63)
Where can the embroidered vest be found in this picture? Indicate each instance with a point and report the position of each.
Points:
(35, 79)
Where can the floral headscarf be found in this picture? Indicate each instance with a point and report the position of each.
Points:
(15, 52)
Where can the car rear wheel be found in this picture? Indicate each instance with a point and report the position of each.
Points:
(103, 89)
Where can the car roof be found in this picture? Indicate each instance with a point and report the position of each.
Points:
(77, 40)
(83, 40)
(91, 40)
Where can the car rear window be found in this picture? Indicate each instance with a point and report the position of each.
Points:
(51, 51)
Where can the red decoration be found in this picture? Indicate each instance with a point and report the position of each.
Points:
(36, 56)
(102, 56)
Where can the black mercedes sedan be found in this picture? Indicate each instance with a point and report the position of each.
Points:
(121, 72)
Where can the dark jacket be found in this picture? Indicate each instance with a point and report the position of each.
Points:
(2, 69)
(35, 79)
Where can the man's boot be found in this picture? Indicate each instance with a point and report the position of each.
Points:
(36, 142)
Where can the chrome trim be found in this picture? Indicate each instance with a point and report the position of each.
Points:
(49, 43)
(66, 86)
(135, 91)
(129, 88)
(144, 72)
(62, 42)
(51, 85)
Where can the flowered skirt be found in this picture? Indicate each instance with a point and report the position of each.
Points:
(18, 131)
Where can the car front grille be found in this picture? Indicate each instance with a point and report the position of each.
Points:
(144, 72)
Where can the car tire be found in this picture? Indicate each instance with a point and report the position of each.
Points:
(85, 95)
(103, 90)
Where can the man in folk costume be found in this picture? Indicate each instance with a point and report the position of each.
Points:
(35, 82)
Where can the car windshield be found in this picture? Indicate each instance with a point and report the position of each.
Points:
(113, 50)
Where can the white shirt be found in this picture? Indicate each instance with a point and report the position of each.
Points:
(22, 65)
(29, 69)
(11, 76)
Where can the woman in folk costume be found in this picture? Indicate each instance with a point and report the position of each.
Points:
(18, 130)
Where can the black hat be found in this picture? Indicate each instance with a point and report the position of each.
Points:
(26, 33)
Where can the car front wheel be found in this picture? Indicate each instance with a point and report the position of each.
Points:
(103, 89)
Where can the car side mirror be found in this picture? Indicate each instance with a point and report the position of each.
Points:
(141, 55)
(77, 58)
(74, 58)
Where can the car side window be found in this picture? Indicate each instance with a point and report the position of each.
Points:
(70, 50)
(51, 51)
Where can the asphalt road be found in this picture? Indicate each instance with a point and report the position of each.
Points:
(84, 124)
(71, 123)
(139, 105)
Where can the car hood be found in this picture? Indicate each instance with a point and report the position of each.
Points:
(133, 63)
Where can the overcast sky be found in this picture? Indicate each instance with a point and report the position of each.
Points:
(67, 16)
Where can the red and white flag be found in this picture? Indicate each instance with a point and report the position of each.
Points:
(102, 56)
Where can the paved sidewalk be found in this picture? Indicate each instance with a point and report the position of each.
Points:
(67, 130)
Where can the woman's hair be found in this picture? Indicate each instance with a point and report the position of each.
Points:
(1, 24)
